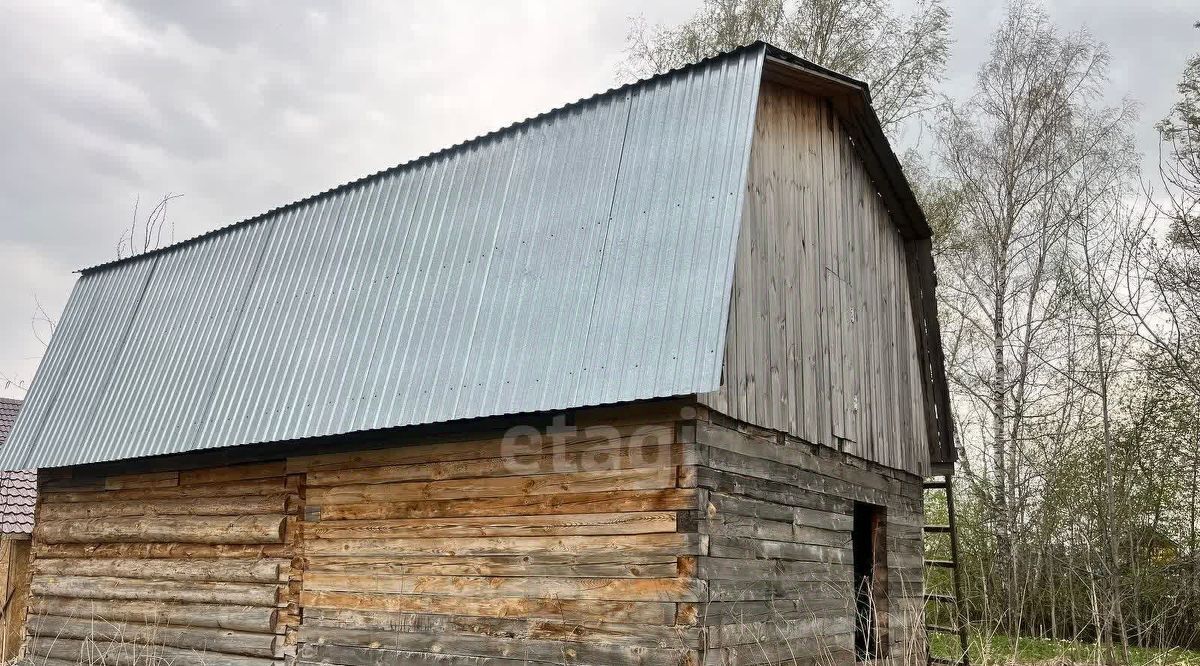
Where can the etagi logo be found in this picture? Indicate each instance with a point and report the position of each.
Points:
(562, 448)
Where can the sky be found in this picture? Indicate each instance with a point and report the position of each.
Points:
(241, 106)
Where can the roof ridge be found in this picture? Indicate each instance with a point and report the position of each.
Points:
(448, 150)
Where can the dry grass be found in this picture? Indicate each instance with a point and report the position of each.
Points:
(108, 645)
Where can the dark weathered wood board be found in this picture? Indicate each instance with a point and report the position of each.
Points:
(822, 337)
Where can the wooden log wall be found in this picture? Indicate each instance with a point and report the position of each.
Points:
(663, 534)
(191, 567)
(558, 550)
(777, 562)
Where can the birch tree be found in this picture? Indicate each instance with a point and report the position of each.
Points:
(1017, 150)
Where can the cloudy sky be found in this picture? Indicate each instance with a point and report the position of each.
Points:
(241, 106)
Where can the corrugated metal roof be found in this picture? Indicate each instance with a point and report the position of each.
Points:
(583, 257)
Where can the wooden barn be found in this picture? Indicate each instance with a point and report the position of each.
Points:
(652, 378)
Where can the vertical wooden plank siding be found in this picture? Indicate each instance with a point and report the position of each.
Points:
(821, 342)
(14, 592)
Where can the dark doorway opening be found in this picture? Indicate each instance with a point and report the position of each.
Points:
(870, 581)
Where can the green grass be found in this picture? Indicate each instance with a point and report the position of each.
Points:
(1002, 649)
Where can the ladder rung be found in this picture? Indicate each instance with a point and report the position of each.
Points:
(940, 629)
(937, 529)
(946, 564)
(936, 485)
(940, 598)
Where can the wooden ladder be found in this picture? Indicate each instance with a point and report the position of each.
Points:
(942, 483)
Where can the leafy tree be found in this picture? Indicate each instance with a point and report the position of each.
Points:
(1166, 282)
(1036, 160)
(1180, 167)
(901, 56)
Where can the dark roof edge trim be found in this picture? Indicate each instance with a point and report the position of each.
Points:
(448, 150)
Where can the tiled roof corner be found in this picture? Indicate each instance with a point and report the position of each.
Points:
(18, 488)
(18, 498)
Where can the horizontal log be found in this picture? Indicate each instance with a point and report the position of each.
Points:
(665, 544)
(326, 643)
(605, 565)
(714, 568)
(271, 486)
(743, 485)
(552, 525)
(181, 529)
(638, 635)
(240, 618)
(717, 613)
(161, 550)
(355, 656)
(566, 610)
(606, 589)
(47, 661)
(724, 504)
(544, 484)
(235, 571)
(746, 526)
(876, 492)
(203, 639)
(760, 528)
(794, 454)
(232, 473)
(470, 449)
(204, 592)
(828, 649)
(125, 654)
(741, 547)
(752, 633)
(516, 505)
(774, 588)
(624, 454)
(149, 480)
(204, 506)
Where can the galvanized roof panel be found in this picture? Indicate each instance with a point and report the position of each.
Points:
(583, 257)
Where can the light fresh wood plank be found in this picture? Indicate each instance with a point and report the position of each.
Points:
(543, 484)
(535, 587)
(515, 505)
(641, 454)
(220, 506)
(246, 529)
(676, 543)
(603, 565)
(587, 524)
